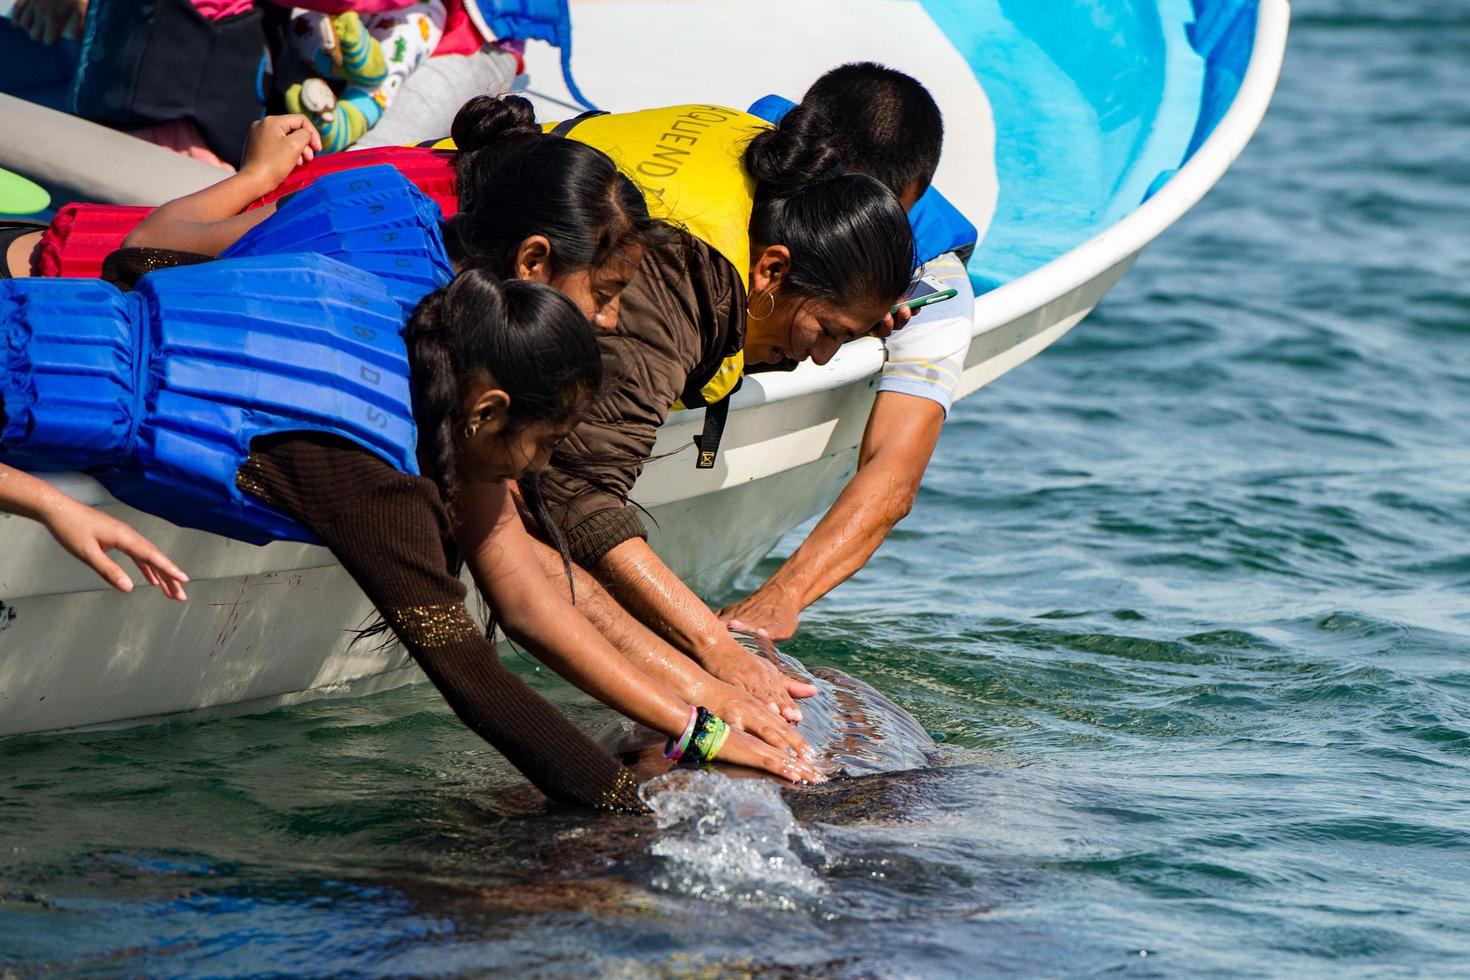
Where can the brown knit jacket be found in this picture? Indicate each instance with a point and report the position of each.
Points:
(392, 534)
(681, 316)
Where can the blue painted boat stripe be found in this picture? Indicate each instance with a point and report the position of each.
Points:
(1095, 103)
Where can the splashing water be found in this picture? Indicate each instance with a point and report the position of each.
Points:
(729, 837)
(732, 840)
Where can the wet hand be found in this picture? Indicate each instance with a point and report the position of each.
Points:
(90, 534)
(766, 612)
(745, 713)
(760, 678)
(49, 21)
(277, 145)
(744, 750)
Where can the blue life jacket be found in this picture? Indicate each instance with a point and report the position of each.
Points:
(938, 225)
(374, 219)
(160, 392)
(297, 328)
(531, 20)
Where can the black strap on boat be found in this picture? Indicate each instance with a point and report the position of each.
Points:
(708, 441)
(567, 125)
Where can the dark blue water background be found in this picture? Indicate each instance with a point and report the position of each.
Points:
(1185, 596)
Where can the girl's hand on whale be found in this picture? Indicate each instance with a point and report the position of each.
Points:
(745, 713)
(742, 749)
(760, 678)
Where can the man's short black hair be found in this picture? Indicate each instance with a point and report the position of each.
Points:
(889, 124)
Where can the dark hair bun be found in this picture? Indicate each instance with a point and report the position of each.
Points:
(788, 159)
(487, 119)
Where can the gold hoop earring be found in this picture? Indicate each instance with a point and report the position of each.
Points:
(469, 431)
(769, 294)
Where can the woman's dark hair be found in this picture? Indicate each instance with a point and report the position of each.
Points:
(887, 123)
(533, 340)
(849, 237)
(515, 181)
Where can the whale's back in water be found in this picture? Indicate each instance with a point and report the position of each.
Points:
(855, 729)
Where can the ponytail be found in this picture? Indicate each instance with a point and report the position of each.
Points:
(437, 408)
(485, 128)
(787, 159)
(514, 181)
(849, 238)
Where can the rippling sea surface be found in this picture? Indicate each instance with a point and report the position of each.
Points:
(1198, 652)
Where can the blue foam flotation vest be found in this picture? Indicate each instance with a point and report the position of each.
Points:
(297, 328)
(938, 225)
(533, 20)
(374, 219)
(159, 392)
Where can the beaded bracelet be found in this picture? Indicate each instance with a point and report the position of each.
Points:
(708, 741)
(674, 751)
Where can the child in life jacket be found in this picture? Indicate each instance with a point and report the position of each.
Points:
(368, 50)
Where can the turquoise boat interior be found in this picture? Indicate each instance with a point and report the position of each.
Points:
(1096, 103)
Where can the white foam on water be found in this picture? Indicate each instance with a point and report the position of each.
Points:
(733, 840)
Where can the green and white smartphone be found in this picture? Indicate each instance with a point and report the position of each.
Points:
(926, 292)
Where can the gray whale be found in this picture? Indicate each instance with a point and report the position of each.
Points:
(856, 730)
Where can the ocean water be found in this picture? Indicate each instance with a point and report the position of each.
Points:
(1198, 655)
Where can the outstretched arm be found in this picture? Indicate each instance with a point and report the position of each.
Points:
(897, 445)
(649, 589)
(388, 530)
(646, 651)
(210, 221)
(508, 573)
(89, 534)
(506, 566)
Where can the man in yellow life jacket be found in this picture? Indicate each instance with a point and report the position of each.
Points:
(780, 256)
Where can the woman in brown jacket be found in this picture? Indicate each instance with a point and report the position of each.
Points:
(828, 255)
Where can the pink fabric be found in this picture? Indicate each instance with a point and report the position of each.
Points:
(342, 6)
(182, 136)
(220, 9)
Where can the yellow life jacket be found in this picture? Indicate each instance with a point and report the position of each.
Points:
(686, 161)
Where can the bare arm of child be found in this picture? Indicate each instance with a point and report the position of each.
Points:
(485, 540)
(211, 220)
(88, 533)
(536, 614)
